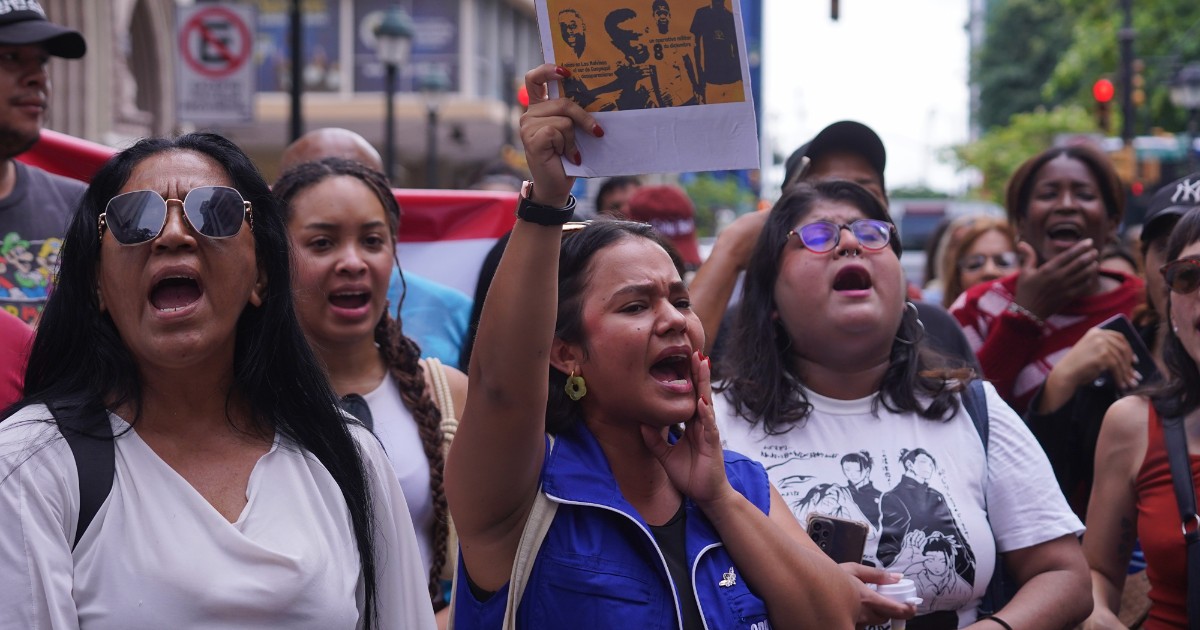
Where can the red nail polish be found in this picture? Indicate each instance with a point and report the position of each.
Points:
(577, 159)
(562, 72)
(597, 131)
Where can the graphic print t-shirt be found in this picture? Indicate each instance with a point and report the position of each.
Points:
(920, 486)
(33, 220)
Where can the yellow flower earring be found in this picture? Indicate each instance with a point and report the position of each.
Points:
(575, 387)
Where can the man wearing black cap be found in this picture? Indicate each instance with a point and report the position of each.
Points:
(34, 205)
(1167, 206)
(845, 150)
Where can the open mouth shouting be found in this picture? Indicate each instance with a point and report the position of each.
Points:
(1064, 235)
(673, 369)
(175, 293)
(351, 302)
(853, 280)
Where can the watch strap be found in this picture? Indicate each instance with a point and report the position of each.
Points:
(541, 214)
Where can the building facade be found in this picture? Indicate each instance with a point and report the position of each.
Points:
(125, 88)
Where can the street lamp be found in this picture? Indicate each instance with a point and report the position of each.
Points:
(433, 84)
(1185, 93)
(393, 43)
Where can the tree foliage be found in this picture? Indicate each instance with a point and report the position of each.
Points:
(1000, 151)
(1039, 61)
(1023, 43)
(710, 194)
(1166, 37)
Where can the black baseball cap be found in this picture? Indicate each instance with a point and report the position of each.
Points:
(1169, 203)
(24, 22)
(845, 136)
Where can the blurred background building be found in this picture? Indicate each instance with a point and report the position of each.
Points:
(463, 66)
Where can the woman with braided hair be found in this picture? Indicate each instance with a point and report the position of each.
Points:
(342, 219)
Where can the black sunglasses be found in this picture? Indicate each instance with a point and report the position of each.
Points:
(1006, 260)
(824, 236)
(139, 216)
(1183, 275)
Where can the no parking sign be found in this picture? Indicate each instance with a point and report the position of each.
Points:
(214, 75)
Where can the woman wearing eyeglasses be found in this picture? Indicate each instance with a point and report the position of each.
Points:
(983, 249)
(1036, 331)
(240, 495)
(589, 336)
(1133, 496)
(827, 360)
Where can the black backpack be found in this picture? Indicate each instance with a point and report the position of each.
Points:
(1002, 587)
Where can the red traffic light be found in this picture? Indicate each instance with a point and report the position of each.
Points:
(1103, 90)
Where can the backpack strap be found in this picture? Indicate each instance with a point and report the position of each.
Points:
(88, 432)
(1185, 497)
(975, 400)
(532, 537)
(999, 590)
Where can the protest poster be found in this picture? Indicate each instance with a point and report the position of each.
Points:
(668, 80)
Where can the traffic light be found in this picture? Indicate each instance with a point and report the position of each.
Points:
(1103, 91)
(833, 10)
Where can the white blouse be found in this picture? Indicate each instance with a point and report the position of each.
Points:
(158, 555)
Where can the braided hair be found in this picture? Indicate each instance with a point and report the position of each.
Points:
(400, 354)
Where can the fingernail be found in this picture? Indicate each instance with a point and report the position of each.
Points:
(898, 576)
(597, 131)
(577, 158)
(562, 72)
(701, 353)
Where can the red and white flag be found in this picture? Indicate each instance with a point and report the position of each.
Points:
(444, 234)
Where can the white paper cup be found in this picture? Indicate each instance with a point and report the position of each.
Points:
(903, 592)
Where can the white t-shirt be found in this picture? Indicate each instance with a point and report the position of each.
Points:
(921, 485)
(397, 431)
(158, 555)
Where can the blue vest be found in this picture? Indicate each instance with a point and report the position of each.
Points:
(600, 567)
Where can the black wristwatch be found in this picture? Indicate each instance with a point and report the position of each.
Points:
(528, 210)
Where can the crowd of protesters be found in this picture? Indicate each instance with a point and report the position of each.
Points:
(220, 417)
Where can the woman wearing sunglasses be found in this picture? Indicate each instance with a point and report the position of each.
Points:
(980, 249)
(1133, 496)
(649, 529)
(1036, 331)
(342, 220)
(827, 360)
(241, 495)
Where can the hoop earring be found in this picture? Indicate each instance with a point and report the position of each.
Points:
(910, 307)
(575, 387)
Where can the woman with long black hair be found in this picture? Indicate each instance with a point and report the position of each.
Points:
(828, 359)
(240, 494)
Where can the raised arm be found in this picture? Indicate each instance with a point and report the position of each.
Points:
(715, 280)
(1112, 512)
(493, 469)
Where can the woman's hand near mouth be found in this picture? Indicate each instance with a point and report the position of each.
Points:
(695, 463)
(1045, 289)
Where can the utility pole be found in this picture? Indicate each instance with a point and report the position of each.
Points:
(296, 43)
(1128, 115)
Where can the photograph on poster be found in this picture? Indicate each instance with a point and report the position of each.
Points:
(668, 75)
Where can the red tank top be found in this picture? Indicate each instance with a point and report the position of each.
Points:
(1158, 530)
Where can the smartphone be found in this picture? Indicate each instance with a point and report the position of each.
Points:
(840, 538)
(1145, 361)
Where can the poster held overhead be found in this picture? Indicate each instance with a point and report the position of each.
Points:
(668, 80)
